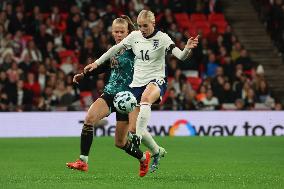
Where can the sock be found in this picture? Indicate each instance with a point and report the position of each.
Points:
(143, 157)
(150, 143)
(143, 118)
(84, 158)
(129, 135)
(136, 140)
(86, 139)
(132, 150)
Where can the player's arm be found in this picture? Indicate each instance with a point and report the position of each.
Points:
(186, 52)
(101, 69)
(125, 43)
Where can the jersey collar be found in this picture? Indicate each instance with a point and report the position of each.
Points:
(152, 35)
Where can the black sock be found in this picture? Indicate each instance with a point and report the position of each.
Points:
(136, 140)
(86, 139)
(132, 150)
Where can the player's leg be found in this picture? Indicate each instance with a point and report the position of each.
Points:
(122, 142)
(98, 110)
(147, 139)
(149, 96)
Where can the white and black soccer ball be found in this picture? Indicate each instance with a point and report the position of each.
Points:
(124, 102)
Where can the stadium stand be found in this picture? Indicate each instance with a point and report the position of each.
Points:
(44, 43)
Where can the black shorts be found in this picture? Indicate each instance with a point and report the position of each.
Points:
(109, 100)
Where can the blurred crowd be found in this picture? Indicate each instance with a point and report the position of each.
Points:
(44, 43)
(271, 13)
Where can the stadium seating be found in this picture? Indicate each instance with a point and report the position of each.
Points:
(194, 82)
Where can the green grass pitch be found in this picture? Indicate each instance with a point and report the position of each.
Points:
(191, 162)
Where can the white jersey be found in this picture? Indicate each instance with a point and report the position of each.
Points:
(150, 56)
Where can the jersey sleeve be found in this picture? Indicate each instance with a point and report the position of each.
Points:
(128, 41)
(168, 43)
(125, 43)
(101, 69)
(172, 49)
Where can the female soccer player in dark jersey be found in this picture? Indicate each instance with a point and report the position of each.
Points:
(121, 66)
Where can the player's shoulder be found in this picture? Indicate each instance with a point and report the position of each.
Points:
(135, 33)
(162, 35)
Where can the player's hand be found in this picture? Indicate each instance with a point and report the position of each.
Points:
(78, 77)
(90, 67)
(192, 42)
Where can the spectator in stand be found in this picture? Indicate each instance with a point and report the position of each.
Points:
(50, 52)
(245, 60)
(48, 100)
(17, 23)
(73, 24)
(228, 67)
(212, 65)
(191, 102)
(210, 102)
(171, 102)
(218, 86)
(3, 80)
(4, 102)
(42, 76)
(166, 20)
(89, 51)
(239, 103)
(42, 38)
(100, 83)
(33, 51)
(22, 97)
(32, 84)
(8, 59)
(179, 81)
(236, 51)
(212, 38)
(18, 43)
(228, 95)
(263, 91)
(250, 99)
(278, 106)
(172, 65)
(201, 95)
(227, 38)
(77, 41)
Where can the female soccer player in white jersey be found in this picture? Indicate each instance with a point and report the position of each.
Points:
(150, 48)
(121, 68)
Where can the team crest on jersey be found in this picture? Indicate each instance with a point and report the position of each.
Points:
(155, 43)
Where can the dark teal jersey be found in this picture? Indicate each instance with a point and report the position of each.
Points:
(122, 68)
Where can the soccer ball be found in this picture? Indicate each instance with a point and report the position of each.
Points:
(124, 102)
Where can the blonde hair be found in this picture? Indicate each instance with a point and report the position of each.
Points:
(123, 19)
(146, 14)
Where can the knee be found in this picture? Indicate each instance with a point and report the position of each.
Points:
(90, 119)
(145, 99)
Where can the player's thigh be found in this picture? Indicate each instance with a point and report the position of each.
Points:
(121, 133)
(98, 110)
(151, 93)
(132, 119)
